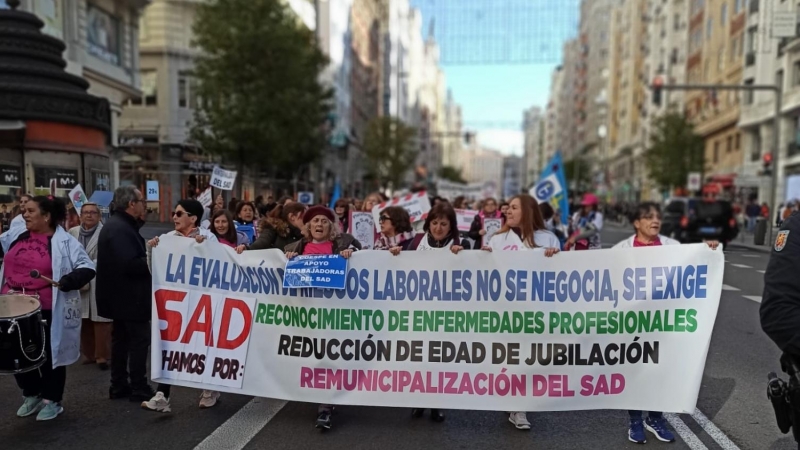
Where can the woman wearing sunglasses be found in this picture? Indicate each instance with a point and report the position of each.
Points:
(396, 230)
(186, 216)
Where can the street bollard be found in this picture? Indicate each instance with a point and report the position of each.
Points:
(760, 231)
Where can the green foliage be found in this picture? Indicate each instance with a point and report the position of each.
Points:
(257, 79)
(578, 171)
(674, 150)
(389, 151)
(450, 173)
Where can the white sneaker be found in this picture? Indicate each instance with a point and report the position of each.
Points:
(158, 403)
(208, 399)
(520, 420)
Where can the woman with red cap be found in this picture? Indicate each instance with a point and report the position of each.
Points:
(321, 236)
(586, 225)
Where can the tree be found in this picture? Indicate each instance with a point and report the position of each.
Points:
(674, 150)
(388, 149)
(578, 171)
(450, 173)
(257, 80)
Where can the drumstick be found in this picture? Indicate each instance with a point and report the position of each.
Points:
(35, 274)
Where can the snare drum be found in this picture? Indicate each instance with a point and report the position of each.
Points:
(22, 334)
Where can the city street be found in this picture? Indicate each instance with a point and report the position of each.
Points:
(733, 411)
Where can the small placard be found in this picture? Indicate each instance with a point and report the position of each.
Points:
(315, 271)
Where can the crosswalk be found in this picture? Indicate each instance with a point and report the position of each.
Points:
(729, 288)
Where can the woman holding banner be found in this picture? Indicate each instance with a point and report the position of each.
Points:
(440, 233)
(646, 220)
(321, 236)
(489, 211)
(186, 216)
(524, 230)
(396, 230)
(282, 227)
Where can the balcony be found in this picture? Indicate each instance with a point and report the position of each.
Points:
(753, 6)
(750, 59)
(792, 149)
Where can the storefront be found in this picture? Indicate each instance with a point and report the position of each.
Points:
(53, 135)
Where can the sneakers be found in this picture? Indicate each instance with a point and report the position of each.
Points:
(324, 420)
(658, 427)
(636, 432)
(158, 403)
(50, 411)
(520, 420)
(30, 406)
(208, 399)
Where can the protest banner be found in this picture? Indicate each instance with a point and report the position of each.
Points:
(362, 227)
(78, 198)
(417, 205)
(205, 198)
(222, 179)
(491, 226)
(503, 331)
(315, 271)
(473, 191)
(464, 217)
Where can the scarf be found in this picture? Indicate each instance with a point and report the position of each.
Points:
(85, 235)
(496, 214)
(385, 243)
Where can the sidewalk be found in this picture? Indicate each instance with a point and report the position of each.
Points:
(745, 240)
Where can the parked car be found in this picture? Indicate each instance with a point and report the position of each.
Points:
(697, 219)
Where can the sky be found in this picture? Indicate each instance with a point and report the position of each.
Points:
(498, 57)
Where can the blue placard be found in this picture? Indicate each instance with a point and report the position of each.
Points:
(316, 271)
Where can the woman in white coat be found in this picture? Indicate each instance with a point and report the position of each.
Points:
(524, 230)
(44, 245)
(95, 330)
(646, 220)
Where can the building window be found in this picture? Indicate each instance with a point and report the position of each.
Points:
(716, 152)
(102, 34)
(709, 28)
(752, 39)
(729, 145)
(149, 89)
(755, 152)
(779, 79)
(748, 95)
(723, 14)
(187, 90)
(737, 141)
(796, 73)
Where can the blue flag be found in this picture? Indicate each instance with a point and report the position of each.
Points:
(337, 192)
(552, 187)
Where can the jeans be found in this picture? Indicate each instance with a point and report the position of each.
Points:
(638, 414)
(45, 382)
(130, 340)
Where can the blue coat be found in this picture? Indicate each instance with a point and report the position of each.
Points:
(65, 329)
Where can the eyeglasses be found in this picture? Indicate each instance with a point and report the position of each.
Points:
(180, 214)
(384, 219)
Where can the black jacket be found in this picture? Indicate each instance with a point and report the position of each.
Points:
(276, 234)
(780, 305)
(124, 284)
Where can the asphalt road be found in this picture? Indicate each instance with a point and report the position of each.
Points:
(733, 411)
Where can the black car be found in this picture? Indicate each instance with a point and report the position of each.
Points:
(696, 219)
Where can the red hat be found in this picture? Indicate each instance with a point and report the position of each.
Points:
(589, 200)
(318, 210)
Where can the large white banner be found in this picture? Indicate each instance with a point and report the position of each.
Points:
(505, 331)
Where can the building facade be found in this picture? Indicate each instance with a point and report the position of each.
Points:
(534, 156)
(101, 47)
(513, 169)
(716, 56)
(483, 165)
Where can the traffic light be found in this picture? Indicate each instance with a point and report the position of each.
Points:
(657, 83)
(767, 160)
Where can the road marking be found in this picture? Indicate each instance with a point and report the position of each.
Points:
(725, 287)
(747, 255)
(684, 432)
(712, 430)
(755, 298)
(243, 426)
(742, 266)
(761, 271)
